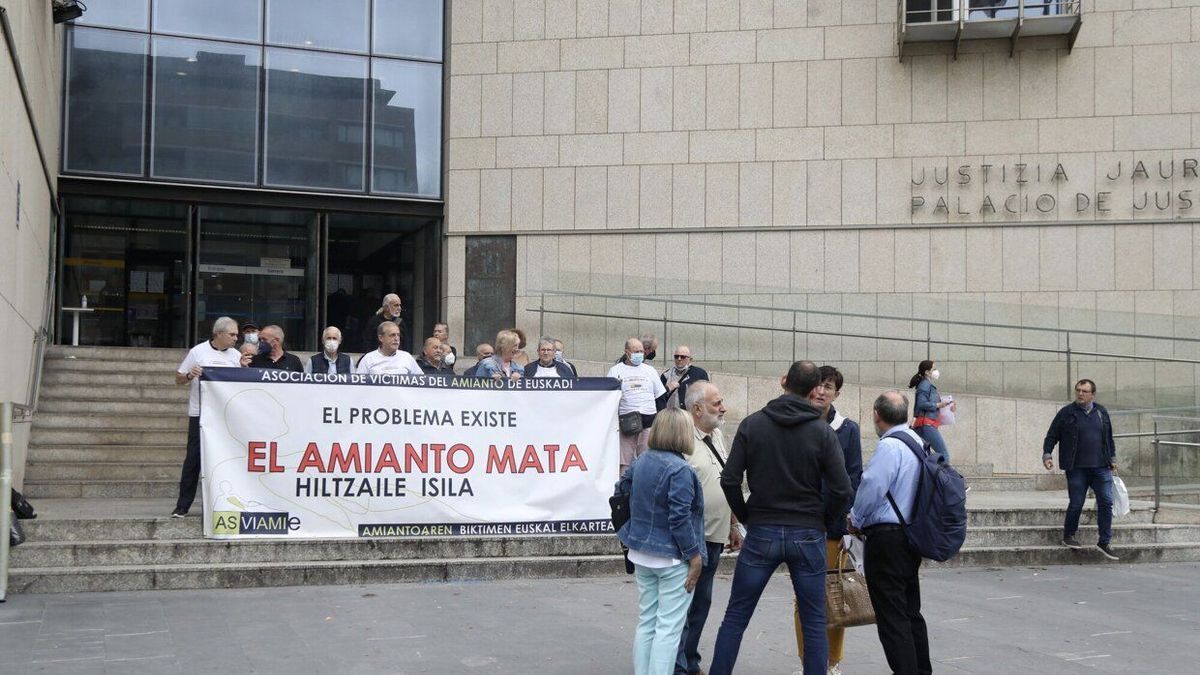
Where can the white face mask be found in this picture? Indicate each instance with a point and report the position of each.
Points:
(252, 338)
(331, 346)
(448, 359)
(558, 355)
(934, 374)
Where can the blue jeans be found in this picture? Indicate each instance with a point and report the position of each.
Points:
(688, 660)
(934, 438)
(1100, 480)
(802, 549)
(662, 610)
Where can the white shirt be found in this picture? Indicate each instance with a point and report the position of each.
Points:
(205, 356)
(308, 367)
(543, 371)
(400, 363)
(717, 513)
(639, 387)
(652, 561)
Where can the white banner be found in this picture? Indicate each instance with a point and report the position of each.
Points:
(296, 455)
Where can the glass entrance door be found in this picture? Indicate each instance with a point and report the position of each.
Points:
(259, 265)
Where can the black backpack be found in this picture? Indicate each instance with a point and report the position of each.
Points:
(939, 515)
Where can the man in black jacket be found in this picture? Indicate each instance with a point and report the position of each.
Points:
(677, 378)
(788, 452)
(1087, 453)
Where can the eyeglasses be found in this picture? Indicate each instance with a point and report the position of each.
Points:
(683, 356)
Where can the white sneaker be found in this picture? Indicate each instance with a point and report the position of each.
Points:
(835, 669)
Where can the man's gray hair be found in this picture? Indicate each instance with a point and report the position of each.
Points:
(276, 329)
(224, 324)
(697, 391)
(384, 325)
(546, 341)
(390, 297)
(892, 407)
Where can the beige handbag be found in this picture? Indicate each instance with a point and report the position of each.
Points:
(847, 600)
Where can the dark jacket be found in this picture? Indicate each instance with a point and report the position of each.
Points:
(430, 369)
(666, 506)
(693, 374)
(288, 361)
(561, 368)
(850, 438)
(790, 456)
(1064, 431)
(320, 364)
(370, 334)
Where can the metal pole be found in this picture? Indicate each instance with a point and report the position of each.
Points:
(6, 461)
(664, 341)
(928, 347)
(793, 336)
(1070, 384)
(1157, 469)
(542, 318)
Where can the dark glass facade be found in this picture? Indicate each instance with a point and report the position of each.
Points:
(250, 158)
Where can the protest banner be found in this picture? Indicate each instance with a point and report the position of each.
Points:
(297, 455)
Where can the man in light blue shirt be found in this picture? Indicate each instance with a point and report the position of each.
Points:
(891, 564)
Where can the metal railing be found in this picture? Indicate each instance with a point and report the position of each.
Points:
(6, 463)
(956, 11)
(1064, 335)
(954, 20)
(1157, 443)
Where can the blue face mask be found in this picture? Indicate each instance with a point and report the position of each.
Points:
(558, 355)
(636, 358)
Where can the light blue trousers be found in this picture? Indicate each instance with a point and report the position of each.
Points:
(662, 611)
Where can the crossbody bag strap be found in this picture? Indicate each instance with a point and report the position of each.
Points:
(892, 500)
(713, 449)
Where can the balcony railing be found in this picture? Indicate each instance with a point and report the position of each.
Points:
(958, 20)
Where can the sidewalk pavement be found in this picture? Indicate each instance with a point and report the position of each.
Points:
(1073, 619)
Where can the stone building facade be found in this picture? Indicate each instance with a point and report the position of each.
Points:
(779, 154)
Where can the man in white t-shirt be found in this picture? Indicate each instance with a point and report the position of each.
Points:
(389, 359)
(640, 387)
(216, 352)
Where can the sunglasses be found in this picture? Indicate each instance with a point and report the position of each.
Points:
(682, 356)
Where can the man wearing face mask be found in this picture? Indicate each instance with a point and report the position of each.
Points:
(640, 388)
(431, 361)
(250, 336)
(650, 344)
(330, 361)
(277, 358)
(559, 350)
(677, 378)
(707, 408)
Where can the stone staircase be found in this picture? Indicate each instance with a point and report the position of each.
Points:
(103, 467)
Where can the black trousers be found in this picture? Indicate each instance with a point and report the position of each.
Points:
(891, 566)
(190, 477)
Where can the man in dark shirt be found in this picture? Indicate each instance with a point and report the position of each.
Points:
(1087, 453)
(277, 358)
(431, 358)
(787, 452)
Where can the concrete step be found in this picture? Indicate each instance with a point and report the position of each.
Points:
(1024, 536)
(109, 436)
(163, 363)
(1040, 556)
(327, 573)
(112, 420)
(67, 488)
(60, 406)
(115, 354)
(107, 453)
(1017, 482)
(164, 392)
(103, 471)
(974, 470)
(46, 530)
(83, 378)
(1045, 517)
(215, 552)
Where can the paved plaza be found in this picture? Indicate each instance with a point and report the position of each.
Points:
(1109, 618)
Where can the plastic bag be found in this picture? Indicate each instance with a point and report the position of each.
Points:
(1120, 498)
(16, 534)
(854, 546)
(946, 414)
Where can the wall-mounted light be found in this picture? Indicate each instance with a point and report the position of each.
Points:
(65, 10)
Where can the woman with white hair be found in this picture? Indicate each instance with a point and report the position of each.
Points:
(501, 365)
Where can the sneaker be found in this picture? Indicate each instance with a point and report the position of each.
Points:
(835, 669)
(179, 513)
(1107, 551)
(1071, 542)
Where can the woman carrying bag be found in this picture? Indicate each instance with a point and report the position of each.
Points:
(927, 404)
(665, 538)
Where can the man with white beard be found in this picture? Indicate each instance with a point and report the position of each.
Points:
(707, 408)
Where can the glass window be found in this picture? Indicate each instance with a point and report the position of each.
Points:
(316, 120)
(205, 110)
(106, 102)
(318, 23)
(130, 259)
(230, 19)
(409, 28)
(133, 14)
(408, 124)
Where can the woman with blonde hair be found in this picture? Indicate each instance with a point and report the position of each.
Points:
(501, 365)
(665, 538)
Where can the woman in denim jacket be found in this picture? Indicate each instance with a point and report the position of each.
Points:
(665, 537)
(926, 407)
